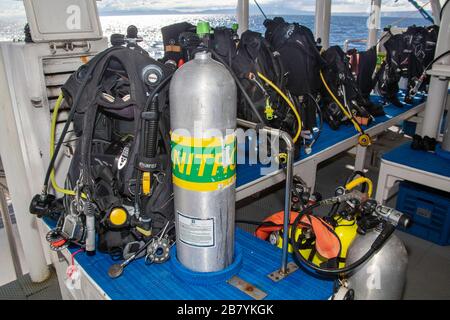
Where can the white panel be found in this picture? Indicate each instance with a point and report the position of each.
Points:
(58, 20)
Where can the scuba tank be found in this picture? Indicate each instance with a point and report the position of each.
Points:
(355, 245)
(203, 121)
(344, 223)
(383, 277)
(345, 229)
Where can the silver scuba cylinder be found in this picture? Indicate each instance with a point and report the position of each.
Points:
(203, 122)
(383, 277)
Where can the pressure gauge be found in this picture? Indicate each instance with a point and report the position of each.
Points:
(152, 75)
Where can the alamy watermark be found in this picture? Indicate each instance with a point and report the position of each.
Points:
(226, 147)
(73, 21)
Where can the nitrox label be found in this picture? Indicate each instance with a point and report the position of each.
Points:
(203, 164)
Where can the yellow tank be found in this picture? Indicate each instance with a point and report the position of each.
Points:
(346, 231)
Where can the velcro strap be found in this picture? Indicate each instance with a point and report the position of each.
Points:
(172, 48)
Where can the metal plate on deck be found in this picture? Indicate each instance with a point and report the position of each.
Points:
(247, 288)
(278, 275)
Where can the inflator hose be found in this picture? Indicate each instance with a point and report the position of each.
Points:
(377, 244)
(289, 102)
(151, 105)
(344, 110)
(241, 87)
(71, 115)
(151, 130)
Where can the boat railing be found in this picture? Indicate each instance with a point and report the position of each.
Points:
(347, 42)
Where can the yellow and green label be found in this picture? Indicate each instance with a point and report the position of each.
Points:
(203, 164)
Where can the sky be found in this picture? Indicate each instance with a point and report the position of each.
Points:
(15, 7)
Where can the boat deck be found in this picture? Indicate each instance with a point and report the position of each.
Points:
(419, 160)
(330, 143)
(257, 259)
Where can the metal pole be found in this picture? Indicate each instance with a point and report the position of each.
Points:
(322, 22)
(438, 92)
(374, 23)
(446, 140)
(287, 198)
(9, 233)
(288, 188)
(436, 10)
(242, 15)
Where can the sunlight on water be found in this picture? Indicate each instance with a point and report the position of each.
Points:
(342, 27)
(150, 26)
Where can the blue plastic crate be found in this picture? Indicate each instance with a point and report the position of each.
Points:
(429, 209)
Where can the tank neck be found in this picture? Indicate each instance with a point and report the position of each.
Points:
(203, 55)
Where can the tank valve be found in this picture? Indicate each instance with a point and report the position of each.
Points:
(393, 216)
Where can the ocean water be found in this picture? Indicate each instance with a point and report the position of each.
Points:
(342, 27)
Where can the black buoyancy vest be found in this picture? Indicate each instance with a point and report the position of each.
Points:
(173, 49)
(255, 55)
(407, 55)
(108, 123)
(223, 43)
(299, 54)
(338, 74)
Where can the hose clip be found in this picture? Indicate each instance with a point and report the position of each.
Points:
(364, 140)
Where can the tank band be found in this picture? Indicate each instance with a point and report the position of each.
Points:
(203, 165)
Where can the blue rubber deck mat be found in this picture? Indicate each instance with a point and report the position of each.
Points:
(159, 282)
(246, 173)
(418, 159)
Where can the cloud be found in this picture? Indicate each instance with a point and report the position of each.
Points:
(298, 5)
(12, 8)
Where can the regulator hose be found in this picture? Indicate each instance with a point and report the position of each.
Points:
(52, 151)
(353, 177)
(358, 181)
(289, 102)
(319, 112)
(241, 87)
(442, 55)
(344, 110)
(376, 245)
